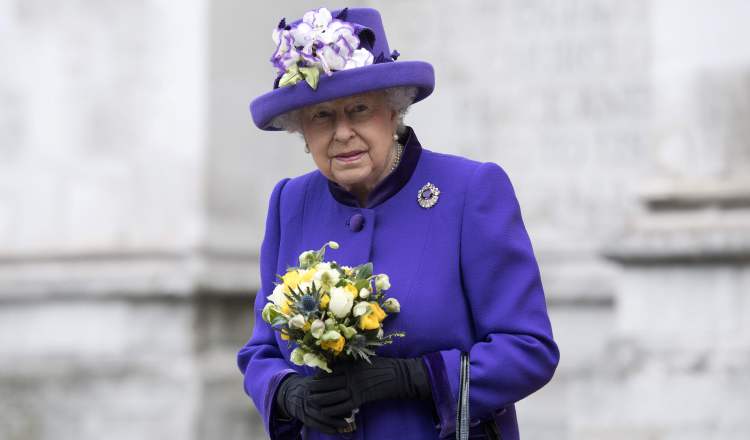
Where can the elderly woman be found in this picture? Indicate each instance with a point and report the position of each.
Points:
(447, 229)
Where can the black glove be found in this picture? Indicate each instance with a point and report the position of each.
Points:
(294, 399)
(353, 384)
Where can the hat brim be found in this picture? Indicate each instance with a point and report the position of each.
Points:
(341, 84)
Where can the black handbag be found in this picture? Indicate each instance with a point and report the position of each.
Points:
(462, 413)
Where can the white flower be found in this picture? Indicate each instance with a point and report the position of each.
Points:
(359, 58)
(391, 305)
(382, 282)
(341, 302)
(297, 356)
(325, 276)
(278, 297)
(281, 38)
(317, 18)
(333, 245)
(291, 58)
(362, 308)
(286, 55)
(333, 60)
(266, 313)
(317, 328)
(342, 35)
(297, 321)
(314, 360)
(331, 335)
(364, 293)
(319, 41)
(313, 27)
(304, 36)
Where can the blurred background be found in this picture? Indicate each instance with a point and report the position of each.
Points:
(133, 191)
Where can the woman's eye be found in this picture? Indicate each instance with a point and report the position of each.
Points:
(360, 108)
(323, 114)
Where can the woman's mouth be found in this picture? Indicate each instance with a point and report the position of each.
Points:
(350, 156)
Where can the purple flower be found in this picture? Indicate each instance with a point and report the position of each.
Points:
(319, 40)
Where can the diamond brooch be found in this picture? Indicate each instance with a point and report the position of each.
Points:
(427, 196)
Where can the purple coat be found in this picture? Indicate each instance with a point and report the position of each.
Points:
(463, 270)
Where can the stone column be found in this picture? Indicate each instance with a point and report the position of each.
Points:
(679, 365)
(109, 303)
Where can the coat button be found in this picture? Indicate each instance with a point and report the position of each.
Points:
(356, 222)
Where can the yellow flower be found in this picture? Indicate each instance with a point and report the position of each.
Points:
(307, 276)
(307, 325)
(324, 301)
(351, 290)
(368, 322)
(294, 278)
(285, 307)
(377, 311)
(372, 320)
(335, 346)
(284, 336)
(291, 279)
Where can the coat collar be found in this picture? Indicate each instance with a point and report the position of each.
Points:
(392, 183)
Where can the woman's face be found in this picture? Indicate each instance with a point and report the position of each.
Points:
(351, 139)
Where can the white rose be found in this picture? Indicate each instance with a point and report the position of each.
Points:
(278, 297)
(341, 302)
(364, 293)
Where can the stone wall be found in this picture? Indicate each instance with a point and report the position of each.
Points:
(133, 189)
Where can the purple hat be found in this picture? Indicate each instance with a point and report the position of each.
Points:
(330, 55)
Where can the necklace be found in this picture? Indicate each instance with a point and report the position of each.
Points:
(399, 151)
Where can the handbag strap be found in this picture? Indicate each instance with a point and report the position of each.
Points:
(462, 413)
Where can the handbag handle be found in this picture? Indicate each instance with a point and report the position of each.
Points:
(462, 413)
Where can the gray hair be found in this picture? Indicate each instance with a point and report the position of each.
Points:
(398, 98)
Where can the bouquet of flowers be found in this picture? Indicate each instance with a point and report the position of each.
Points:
(330, 311)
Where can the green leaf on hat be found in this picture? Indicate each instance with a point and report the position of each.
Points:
(312, 75)
(291, 77)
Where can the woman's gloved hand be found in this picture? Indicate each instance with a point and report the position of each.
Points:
(352, 384)
(295, 399)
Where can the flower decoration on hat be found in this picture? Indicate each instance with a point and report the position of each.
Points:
(319, 42)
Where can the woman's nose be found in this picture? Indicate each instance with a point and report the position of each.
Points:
(343, 130)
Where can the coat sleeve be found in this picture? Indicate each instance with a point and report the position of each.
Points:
(513, 354)
(260, 360)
